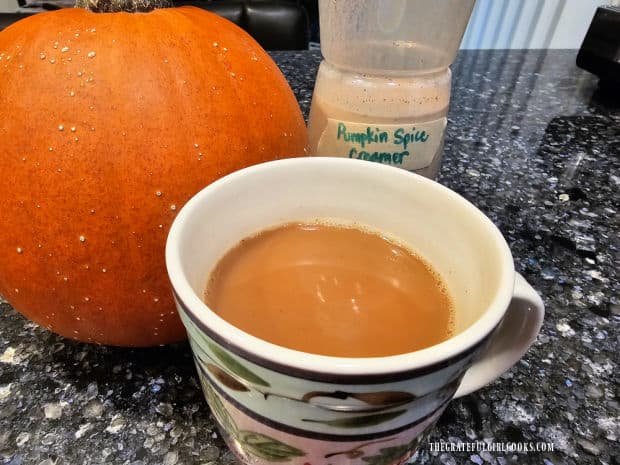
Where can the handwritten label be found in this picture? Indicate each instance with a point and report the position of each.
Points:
(410, 146)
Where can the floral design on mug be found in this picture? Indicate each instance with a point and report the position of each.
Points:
(357, 451)
(237, 377)
(386, 455)
(395, 454)
(377, 401)
(251, 442)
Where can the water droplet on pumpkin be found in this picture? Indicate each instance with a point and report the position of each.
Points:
(91, 54)
(16, 291)
(21, 66)
(55, 45)
(158, 193)
(82, 239)
(103, 270)
(20, 250)
(173, 207)
(196, 146)
(73, 128)
(93, 30)
(225, 49)
(79, 73)
(51, 149)
(65, 279)
(155, 299)
(61, 127)
(52, 61)
(232, 75)
(86, 299)
(215, 44)
(92, 129)
(161, 226)
(42, 56)
(144, 291)
(77, 34)
(64, 49)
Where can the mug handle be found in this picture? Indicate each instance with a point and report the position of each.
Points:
(513, 337)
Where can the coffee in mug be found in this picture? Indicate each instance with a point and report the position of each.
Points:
(333, 290)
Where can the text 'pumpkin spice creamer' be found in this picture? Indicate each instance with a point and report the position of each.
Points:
(383, 89)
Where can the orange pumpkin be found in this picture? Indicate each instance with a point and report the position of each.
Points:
(109, 123)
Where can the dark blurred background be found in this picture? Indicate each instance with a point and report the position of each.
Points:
(275, 24)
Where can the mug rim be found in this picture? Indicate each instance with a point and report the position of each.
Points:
(328, 367)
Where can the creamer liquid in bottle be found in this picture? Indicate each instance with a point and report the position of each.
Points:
(383, 89)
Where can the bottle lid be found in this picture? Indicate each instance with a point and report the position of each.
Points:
(392, 36)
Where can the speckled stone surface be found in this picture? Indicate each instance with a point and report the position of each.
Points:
(533, 144)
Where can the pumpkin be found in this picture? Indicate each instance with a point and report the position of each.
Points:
(109, 123)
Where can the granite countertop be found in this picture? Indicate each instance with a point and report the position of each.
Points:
(531, 142)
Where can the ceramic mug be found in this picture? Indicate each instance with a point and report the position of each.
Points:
(275, 404)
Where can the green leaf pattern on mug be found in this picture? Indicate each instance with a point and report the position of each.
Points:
(236, 367)
(394, 454)
(266, 447)
(217, 408)
(255, 444)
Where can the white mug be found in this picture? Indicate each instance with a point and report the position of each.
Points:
(275, 404)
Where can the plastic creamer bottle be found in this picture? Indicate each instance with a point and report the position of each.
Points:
(383, 89)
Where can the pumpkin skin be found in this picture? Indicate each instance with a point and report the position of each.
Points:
(109, 123)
